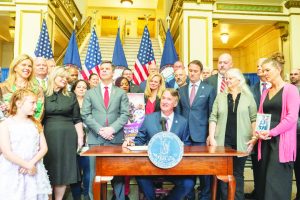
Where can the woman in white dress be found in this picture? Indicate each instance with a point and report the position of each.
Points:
(23, 145)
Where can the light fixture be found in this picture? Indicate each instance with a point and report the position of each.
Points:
(224, 38)
(126, 3)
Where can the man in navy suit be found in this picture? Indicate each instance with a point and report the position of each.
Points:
(152, 125)
(196, 101)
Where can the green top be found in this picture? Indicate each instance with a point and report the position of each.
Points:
(6, 93)
(246, 114)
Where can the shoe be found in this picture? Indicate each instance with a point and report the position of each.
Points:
(113, 197)
(250, 195)
(126, 197)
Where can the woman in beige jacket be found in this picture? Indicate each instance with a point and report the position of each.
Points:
(232, 124)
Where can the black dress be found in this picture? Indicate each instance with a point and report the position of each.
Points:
(274, 178)
(61, 115)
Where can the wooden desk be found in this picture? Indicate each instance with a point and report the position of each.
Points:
(197, 160)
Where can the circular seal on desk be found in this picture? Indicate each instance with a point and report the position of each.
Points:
(165, 150)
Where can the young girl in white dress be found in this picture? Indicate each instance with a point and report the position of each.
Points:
(22, 147)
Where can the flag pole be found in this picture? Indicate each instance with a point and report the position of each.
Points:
(147, 18)
(119, 21)
(75, 20)
(168, 19)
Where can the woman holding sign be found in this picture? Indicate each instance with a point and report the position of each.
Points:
(277, 146)
(232, 124)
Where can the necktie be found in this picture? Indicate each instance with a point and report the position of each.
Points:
(106, 97)
(44, 84)
(106, 101)
(264, 86)
(193, 94)
(167, 125)
(222, 84)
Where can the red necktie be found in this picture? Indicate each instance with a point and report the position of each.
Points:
(222, 84)
(193, 94)
(106, 97)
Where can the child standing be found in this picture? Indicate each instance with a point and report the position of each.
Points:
(23, 145)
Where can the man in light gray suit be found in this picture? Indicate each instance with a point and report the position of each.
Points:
(105, 111)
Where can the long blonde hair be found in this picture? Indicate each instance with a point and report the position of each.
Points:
(57, 71)
(161, 87)
(11, 79)
(20, 95)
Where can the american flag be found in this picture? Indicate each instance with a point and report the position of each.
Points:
(43, 47)
(93, 57)
(144, 58)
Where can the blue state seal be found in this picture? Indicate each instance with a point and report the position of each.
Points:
(165, 150)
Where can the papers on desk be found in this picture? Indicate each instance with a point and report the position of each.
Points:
(137, 148)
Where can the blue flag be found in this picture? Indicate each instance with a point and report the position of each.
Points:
(72, 55)
(93, 57)
(119, 58)
(169, 56)
(43, 47)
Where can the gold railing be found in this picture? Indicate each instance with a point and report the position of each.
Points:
(81, 34)
(69, 7)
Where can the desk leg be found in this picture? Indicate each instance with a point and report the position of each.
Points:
(103, 190)
(231, 185)
(214, 188)
(97, 188)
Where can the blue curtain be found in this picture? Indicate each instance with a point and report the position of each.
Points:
(4, 74)
(252, 77)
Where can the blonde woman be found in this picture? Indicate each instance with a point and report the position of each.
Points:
(63, 132)
(232, 124)
(21, 77)
(153, 91)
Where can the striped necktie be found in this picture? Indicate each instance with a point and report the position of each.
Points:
(223, 84)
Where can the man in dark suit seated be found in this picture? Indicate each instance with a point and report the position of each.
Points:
(152, 125)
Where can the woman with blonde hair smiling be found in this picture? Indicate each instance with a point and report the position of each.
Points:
(21, 77)
(153, 91)
(232, 124)
(63, 131)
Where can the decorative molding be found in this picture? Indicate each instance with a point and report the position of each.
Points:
(189, 37)
(249, 8)
(292, 4)
(284, 30)
(54, 3)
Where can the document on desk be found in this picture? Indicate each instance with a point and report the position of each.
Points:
(137, 148)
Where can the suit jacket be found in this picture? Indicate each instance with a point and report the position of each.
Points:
(198, 113)
(171, 83)
(213, 81)
(94, 114)
(143, 85)
(135, 88)
(255, 89)
(152, 125)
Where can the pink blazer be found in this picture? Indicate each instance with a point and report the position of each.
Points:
(287, 127)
